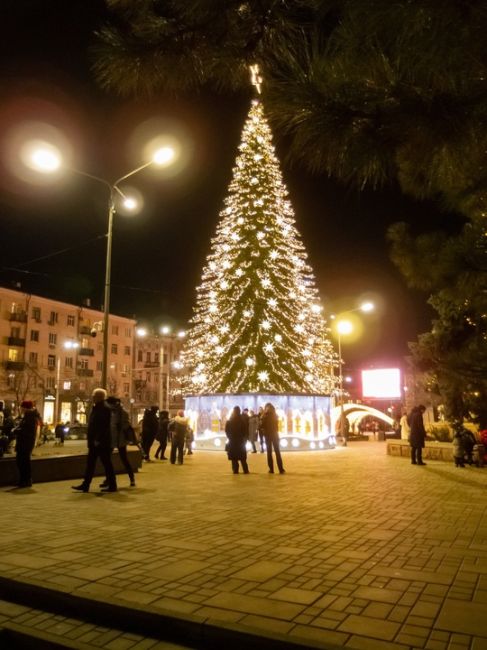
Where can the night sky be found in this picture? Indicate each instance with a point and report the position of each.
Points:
(158, 255)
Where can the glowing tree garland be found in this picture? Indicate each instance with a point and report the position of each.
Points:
(258, 325)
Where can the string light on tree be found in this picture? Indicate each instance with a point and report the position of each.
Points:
(257, 300)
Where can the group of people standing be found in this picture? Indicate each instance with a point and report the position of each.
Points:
(243, 427)
(163, 429)
(108, 428)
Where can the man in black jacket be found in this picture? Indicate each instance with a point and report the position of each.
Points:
(417, 434)
(100, 443)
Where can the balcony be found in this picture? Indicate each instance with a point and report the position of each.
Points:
(15, 365)
(84, 372)
(18, 316)
(85, 329)
(151, 364)
(86, 352)
(13, 340)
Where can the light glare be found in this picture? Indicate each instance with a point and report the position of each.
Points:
(367, 306)
(44, 158)
(163, 156)
(344, 327)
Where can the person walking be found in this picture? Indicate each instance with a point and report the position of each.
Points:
(100, 443)
(121, 436)
(270, 429)
(150, 427)
(25, 431)
(253, 429)
(417, 434)
(236, 428)
(178, 428)
(404, 425)
(162, 434)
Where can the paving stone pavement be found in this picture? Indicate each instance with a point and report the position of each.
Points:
(350, 547)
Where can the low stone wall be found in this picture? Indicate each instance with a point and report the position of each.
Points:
(433, 450)
(62, 468)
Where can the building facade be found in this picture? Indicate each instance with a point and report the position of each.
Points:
(51, 352)
(157, 372)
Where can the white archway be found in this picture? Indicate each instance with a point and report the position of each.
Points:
(355, 412)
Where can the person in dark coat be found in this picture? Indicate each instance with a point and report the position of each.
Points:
(269, 425)
(162, 434)
(150, 427)
(120, 435)
(178, 427)
(100, 443)
(417, 434)
(25, 442)
(237, 430)
(260, 430)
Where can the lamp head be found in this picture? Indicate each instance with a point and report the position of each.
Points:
(41, 157)
(367, 307)
(163, 156)
(344, 327)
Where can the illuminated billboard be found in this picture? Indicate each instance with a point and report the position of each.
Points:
(384, 383)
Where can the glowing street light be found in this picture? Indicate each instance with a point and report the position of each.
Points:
(345, 327)
(45, 158)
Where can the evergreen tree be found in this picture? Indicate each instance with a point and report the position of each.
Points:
(258, 323)
(453, 355)
(369, 92)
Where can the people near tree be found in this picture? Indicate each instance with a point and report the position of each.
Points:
(188, 441)
(458, 448)
(100, 443)
(417, 434)
(253, 429)
(121, 436)
(162, 435)
(260, 430)
(270, 429)
(404, 424)
(25, 440)
(178, 428)
(343, 428)
(469, 442)
(150, 427)
(236, 428)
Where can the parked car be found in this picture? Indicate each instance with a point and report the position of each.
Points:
(76, 432)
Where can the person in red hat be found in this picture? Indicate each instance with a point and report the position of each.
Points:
(25, 442)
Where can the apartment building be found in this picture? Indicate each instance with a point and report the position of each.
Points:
(52, 352)
(157, 372)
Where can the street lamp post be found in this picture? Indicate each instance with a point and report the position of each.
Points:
(345, 327)
(47, 159)
(164, 331)
(162, 156)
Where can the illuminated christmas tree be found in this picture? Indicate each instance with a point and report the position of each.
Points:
(258, 325)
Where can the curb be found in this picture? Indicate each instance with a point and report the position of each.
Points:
(193, 631)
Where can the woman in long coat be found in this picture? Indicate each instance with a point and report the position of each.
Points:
(270, 427)
(237, 432)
